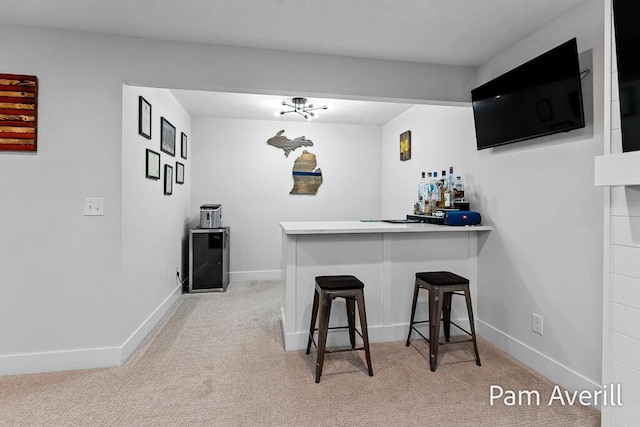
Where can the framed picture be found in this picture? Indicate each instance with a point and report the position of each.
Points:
(153, 164)
(168, 179)
(183, 145)
(167, 137)
(144, 117)
(405, 146)
(179, 173)
(18, 112)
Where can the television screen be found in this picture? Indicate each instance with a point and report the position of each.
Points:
(625, 17)
(540, 97)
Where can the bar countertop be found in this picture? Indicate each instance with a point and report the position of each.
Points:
(351, 227)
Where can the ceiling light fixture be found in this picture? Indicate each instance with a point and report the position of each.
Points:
(300, 106)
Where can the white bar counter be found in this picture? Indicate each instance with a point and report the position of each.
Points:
(385, 257)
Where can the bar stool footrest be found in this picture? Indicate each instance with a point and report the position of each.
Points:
(340, 350)
(313, 340)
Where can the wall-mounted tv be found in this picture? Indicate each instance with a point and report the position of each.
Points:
(540, 97)
(625, 17)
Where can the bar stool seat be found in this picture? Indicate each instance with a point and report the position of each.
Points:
(441, 285)
(327, 289)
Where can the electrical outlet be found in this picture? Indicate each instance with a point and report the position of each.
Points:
(178, 278)
(536, 323)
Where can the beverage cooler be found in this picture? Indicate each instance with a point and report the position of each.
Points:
(208, 259)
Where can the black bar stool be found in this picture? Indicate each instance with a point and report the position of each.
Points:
(327, 289)
(441, 285)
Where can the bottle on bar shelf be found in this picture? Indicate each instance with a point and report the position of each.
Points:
(442, 184)
(422, 184)
(458, 194)
(427, 200)
(435, 193)
(448, 190)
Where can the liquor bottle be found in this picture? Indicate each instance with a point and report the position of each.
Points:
(421, 193)
(459, 190)
(452, 179)
(448, 198)
(427, 200)
(448, 190)
(442, 184)
(433, 198)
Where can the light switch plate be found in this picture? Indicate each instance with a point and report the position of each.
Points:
(93, 206)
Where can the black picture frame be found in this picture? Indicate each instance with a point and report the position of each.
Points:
(168, 180)
(183, 145)
(179, 173)
(144, 117)
(152, 164)
(167, 137)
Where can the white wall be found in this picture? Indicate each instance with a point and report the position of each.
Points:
(154, 225)
(441, 136)
(545, 255)
(233, 165)
(621, 302)
(62, 292)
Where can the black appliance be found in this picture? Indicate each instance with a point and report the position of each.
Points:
(208, 259)
(626, 14)
(540, 97)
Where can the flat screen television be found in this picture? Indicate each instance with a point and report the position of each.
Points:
(540, 97)
(626, 14)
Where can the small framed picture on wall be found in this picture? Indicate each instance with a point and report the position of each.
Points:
(153, 164)
(405, 146)
(168, 180)
(183, 145)
(144, 117)
(167, 137)
(179, 173)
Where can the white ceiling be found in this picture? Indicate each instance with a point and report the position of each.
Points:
(453, 32)
(267, 107)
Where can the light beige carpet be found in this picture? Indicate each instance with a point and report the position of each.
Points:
(218, 360)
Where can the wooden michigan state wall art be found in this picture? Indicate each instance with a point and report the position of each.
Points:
(18, 112)
(279, 140)
(306, 178)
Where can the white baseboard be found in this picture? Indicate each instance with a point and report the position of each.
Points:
(555, 371)
(85, 358)
(248, 276)
(135, 339)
